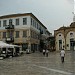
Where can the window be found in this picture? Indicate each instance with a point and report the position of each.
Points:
(31, 21)
(67, 45)
(24, 46)
(4, 23)
(31, 34)
(59, 35)
(17, 34)
(17, 21)
(71, 34)
(4, 34)
(0, 23)
(37, 25)
(10, 22)
(24, 21)
(24, 33)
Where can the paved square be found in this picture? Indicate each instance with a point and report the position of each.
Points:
(37, 64)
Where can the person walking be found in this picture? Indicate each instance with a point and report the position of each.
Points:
(62, 54)
(44, 52)
(47, 52)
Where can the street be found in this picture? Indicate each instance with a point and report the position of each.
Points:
(37, 64)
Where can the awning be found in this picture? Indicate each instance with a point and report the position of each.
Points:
(5, 45)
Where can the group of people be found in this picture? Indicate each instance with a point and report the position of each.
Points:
(45, 52)
(62, 54)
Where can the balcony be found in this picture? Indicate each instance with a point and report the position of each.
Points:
(9, 40)
(9, 27)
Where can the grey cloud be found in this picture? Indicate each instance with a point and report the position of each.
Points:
(52, 13)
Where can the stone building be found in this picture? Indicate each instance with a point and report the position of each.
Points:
(65, 37)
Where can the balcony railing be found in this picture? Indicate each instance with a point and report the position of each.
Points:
(10, 39)
(9, 27)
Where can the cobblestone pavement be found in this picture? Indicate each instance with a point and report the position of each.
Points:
(37, 64)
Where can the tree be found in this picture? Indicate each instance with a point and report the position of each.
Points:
(52, 43)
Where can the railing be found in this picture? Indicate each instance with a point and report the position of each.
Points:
(9, 27)
(8, 39)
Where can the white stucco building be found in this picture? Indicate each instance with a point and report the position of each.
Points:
(22, 29)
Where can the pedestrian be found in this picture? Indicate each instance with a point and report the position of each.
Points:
(62, 54)
(47, 52)
(44, 52)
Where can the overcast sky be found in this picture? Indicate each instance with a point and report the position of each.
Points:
(52, 13)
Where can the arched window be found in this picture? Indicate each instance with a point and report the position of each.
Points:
(71, 34)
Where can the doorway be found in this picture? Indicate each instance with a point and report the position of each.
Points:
(71, 44)
(60, 44)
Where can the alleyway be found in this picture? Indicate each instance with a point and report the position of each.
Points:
(37, 64)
